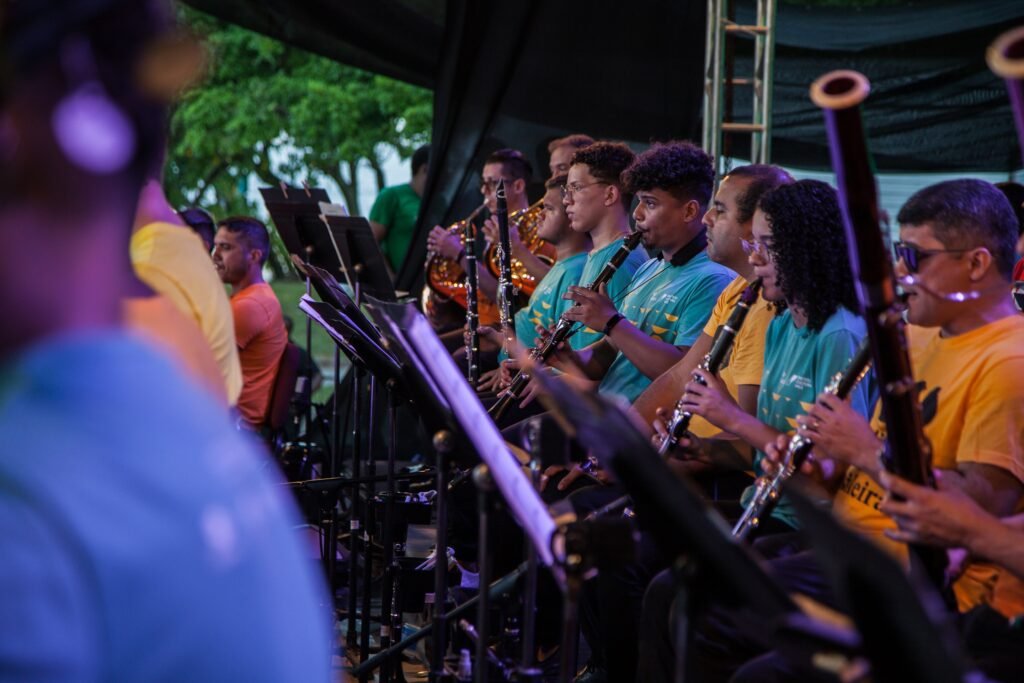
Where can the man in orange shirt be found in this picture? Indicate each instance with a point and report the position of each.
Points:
(240, 249)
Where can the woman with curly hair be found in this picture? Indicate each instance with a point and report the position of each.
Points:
(799, 252)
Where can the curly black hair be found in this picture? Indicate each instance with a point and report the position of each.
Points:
(809, 248)
(606, 161)
(680, 168)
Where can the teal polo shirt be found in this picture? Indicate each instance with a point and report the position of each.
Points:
(670, 301)
(617, 286)
(798, 364)
(546, 304)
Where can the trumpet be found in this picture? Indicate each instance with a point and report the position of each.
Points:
(767, 490)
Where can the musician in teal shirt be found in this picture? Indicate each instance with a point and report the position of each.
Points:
(670, 300)
(546, 304)
(799, 252)
(670, 297)
(616, 288)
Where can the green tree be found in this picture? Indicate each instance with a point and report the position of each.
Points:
(286, 115)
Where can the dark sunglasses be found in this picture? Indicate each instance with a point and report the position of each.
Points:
(912, 255)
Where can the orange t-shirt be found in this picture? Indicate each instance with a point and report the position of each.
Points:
(158, 320)
(261, 338)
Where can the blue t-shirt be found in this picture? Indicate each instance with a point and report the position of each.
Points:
(671, 303)
(546, 304)
(798, 364)
(617, 286)
(142, 536)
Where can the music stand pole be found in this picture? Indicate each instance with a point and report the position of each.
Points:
(355, 509)
(307, 389)
(390, 618)
(683, 574)
(484, 487)
(371, 490)
(443, 443)
(527, 672)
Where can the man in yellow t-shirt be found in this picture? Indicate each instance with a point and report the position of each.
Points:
(968, 361)
(170, 258)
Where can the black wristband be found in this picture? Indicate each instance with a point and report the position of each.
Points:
(612, 322)
(461, 254)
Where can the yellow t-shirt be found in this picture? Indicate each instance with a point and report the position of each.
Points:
(972, 401)
(159, 321)
(173, 261)
(745, 360)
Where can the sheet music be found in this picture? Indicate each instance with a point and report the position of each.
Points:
(515, 486)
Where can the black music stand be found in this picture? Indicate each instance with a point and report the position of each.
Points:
(361, 258)
(296, 215)
(906, 630)
(457, 404)
(360, 341)
(714, 564)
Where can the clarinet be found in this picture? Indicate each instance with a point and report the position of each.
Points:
(908, 452)
(472, 314)
(506, 290)
(564, 329)
(768, 489)
(680, 421)
(712, 362)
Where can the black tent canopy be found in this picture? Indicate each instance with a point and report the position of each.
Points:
(520, 73)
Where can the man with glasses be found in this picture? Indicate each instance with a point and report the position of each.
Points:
(957, 244)
(511, 166)
(597, 204)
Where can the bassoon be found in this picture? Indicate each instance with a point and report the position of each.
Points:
(564, 329)
(1006, 59)
(908, 453)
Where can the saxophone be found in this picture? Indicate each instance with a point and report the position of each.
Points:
(680, 421)
(563, 329)
(767, 490)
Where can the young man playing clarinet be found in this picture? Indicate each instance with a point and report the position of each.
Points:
(546, 304)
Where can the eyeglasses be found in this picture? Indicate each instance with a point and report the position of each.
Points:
(492, 185)
(573, 188)
(762, 249)
(912, 255)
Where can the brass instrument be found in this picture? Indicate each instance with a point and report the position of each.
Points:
(527, 222)
(445, 276)
(767, 490)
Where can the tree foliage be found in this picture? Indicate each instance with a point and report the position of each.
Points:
(286, 115)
